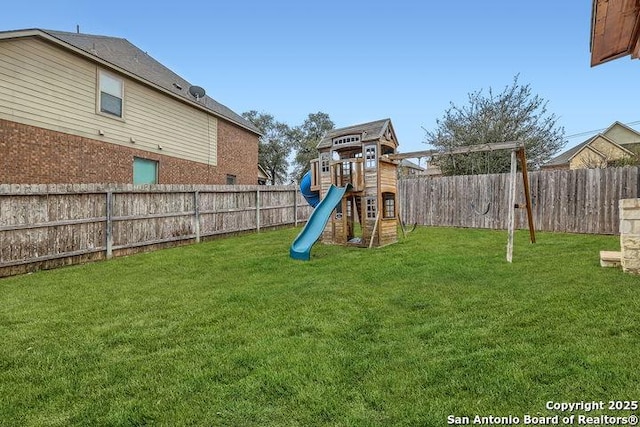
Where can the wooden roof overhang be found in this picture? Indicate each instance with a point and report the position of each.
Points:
(615, 30)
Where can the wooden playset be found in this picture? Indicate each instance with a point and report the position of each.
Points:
(353, 187)
(367, 215)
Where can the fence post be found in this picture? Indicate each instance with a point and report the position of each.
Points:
(109, 225)
(295, 206)
(196, 210)
(258, 210)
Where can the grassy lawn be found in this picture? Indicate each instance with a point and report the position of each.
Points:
(234, 333)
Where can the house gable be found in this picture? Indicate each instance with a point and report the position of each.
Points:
(379, 130)
(598, 153)
(622, 134)
(587, 157)
(618, 141)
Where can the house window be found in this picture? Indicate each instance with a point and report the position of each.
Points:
(145, 171)
(370, 157)
(371, 207)
(389, 200)
(231, 180)
(111, 94)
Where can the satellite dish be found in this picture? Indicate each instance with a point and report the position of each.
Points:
(197, 92)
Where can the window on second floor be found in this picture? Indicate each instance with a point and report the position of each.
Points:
(110, 94)
(324, 162)
(370, 158)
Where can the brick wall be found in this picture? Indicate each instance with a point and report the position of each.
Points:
(630, 235)
(33, 155)
(237, 154)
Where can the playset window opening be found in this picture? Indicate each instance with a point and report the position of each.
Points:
(389, 210)
(370, 157)
(324, 162)
(347, 139)
(371, 208)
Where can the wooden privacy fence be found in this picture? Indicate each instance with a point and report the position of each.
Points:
(43, 226)
(574, 201)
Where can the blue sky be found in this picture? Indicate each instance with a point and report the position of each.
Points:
(360, 61)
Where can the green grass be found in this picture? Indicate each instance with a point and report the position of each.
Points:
(234, 333)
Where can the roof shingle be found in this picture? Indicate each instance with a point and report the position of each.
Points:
(370, 131)
(126, 56)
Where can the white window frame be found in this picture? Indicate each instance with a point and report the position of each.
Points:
(103, 76)
(370, 161)
(324, 163)
(371, 207)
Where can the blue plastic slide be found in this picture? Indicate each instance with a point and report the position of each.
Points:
(301, 247)
(312, 197)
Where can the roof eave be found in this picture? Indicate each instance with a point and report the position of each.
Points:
(615, 31)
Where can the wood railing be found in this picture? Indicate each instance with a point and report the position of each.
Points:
(348, 171)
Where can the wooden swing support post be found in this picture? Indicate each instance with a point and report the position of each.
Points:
(517, 153)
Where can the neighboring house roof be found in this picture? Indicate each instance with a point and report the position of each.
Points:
(128, 59)
(614, 30)
(565, 158)
(594, 150)
(371, 131)
(409, 164)
(262, 173)
(617, 124)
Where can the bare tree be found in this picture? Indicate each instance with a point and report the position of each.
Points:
(274, 146)
(305, 139)
(515, 114)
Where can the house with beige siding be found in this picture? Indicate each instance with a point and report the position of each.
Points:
(617, 143)
(79, 108)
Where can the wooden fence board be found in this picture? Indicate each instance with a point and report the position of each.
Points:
(575, 201)
(43, 226)
(70, 223)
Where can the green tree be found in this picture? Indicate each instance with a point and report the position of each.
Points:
(305, 139)
(515, 114)
(274, 145)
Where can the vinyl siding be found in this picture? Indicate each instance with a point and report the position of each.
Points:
(45, 86)
(622, 135)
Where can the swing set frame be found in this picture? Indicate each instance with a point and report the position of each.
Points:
(517, 155)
